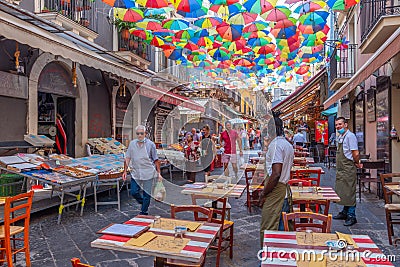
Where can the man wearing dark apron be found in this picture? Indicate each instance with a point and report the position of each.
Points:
(347, 162)
(276, 196)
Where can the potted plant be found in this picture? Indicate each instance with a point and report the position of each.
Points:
(84, 22)
(123, 28)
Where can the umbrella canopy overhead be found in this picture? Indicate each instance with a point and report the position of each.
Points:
(238, 121)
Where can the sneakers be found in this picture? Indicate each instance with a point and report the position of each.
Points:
(143, 213)
(340, 216)
(350, 221)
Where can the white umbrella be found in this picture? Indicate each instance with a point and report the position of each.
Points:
(237, 120)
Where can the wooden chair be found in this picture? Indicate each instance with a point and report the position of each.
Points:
(225, 235)
(306, 175)
(310, 221)
(295, 182)
(392, 210)
(252, 189)
(330, 156)
(77, 263)
(365, 176)
(16, 209)
(312, 205)
(196, 210)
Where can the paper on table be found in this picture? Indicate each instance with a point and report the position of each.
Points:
(141, 240)
(318, 239)
(170, 224)
(168, 244)
(318, 261)
(348, 239)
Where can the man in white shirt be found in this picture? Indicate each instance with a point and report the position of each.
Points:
(347, 162)
(276, 196)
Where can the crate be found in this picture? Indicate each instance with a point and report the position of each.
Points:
(10, 184)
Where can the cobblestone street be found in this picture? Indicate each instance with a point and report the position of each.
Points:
(54, 245)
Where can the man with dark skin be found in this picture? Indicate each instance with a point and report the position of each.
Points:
(276, 195)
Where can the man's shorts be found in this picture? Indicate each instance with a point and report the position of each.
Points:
(226, 158)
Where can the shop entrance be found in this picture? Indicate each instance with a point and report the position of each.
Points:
(66, 110)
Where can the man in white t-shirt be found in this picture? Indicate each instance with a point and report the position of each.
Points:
(278, 163)
(299, 138)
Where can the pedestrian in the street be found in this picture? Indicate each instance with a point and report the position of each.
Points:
(298, 138)
(347, 162)
(196, 137)
(276, 195)
(243, 135)
(142, 159)
(208, 150)
(192, 156)
(228, 139)
(304, 129)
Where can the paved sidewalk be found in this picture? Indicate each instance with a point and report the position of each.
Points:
(54, 245)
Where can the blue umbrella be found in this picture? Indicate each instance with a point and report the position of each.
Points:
(195, 14)
(176, 54)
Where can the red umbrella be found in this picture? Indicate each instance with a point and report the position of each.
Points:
(191, 46)
(229, 32)
(243, 62)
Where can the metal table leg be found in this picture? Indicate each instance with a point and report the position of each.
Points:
(83, 198)
(60, 209)
(95, 196)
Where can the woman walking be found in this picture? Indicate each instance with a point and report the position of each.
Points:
(192, 155)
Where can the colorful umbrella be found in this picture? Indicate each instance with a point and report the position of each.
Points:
(157, 11)
(284, 33)
(220, 54)
(256, 26)
(223, 2)
(229, 32)
(164, 33)
(317, 17)
(206, 41)
(191, 46)
(175, 24)
(284, 23)
(157, 41)
(174, 54)
(194, 14)
(152, 3)
(145, 35)
(149, 24)
(242, 18)
(308, 7)
(259, 41)
(342, 4)
(259, 6)
(207, 22)
(120, 3)
(277, 14)
(187, 5)
(266, 49)
(226, 10)
(130, 15)
(185, 34)
(243, 62)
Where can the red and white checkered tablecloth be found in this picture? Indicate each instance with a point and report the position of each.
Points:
(199, 242)
(279, 250)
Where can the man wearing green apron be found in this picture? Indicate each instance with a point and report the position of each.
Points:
(347, 162)
(276, 196)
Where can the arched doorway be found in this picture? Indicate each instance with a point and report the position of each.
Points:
(56, 99)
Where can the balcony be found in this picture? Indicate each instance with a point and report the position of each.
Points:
(134, 49)
(77, 16)
(379, 20)
(342, 66)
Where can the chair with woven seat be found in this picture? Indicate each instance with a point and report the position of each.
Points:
(197, 211)
(365, 176)
(17, 209)
(392, 210)
(307, 221)
(225, 235)
(306, 175)
(253, 189)
(77, 263)
(312, 205)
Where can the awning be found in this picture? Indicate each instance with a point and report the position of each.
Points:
(388, 50)
(330, 112)
(27, 33)
(168, 97)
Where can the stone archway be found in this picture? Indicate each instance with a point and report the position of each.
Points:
(81, 113)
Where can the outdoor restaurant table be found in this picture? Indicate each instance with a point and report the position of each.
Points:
(233, 190)
(280, 249)
(60, 185)
(295, 168)
(324, 192)
(199, 241)
(308, 160)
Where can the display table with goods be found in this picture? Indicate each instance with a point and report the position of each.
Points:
(36, 170)
(105, 145)
(174, 157)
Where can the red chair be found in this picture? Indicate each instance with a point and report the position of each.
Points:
(17, 211)
(306, 175)
(77, 263)
(253, 189)
(295, 182)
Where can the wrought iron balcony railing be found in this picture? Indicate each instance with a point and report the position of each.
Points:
(134, 44)
(343, 62)
(80, 11)
(372, 10)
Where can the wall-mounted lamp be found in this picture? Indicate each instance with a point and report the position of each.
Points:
(73, 70)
